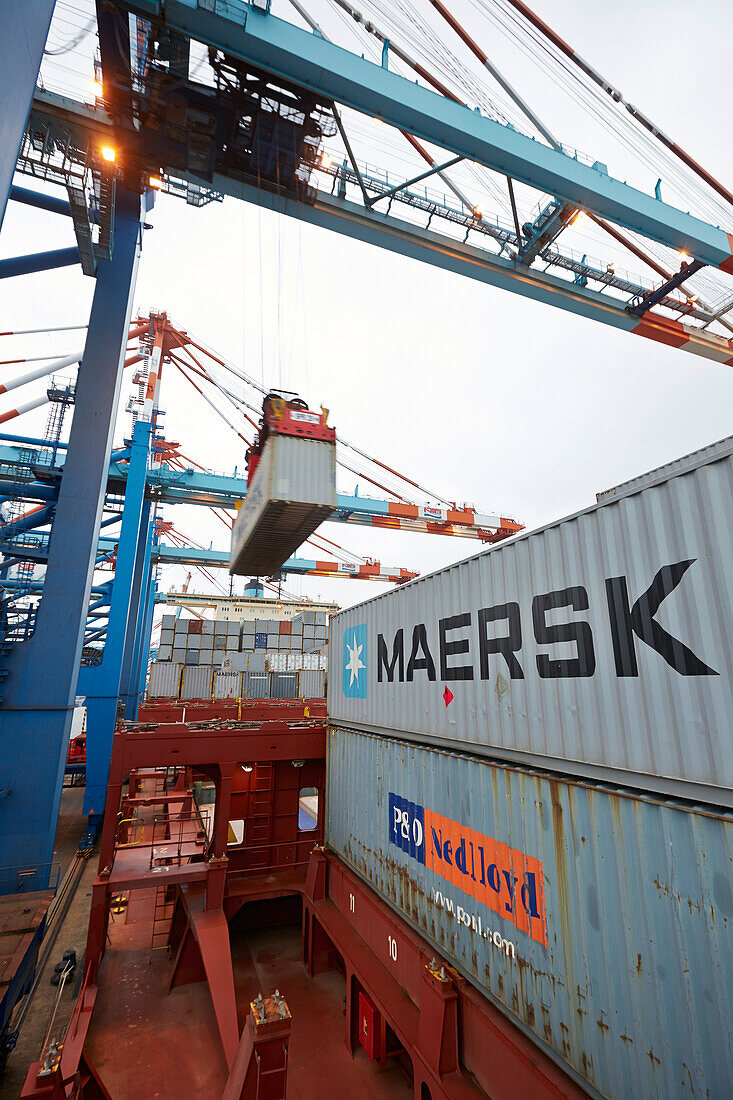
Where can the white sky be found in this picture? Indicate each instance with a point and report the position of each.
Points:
(482, 395)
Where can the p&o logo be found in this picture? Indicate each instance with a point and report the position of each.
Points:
(355, 662)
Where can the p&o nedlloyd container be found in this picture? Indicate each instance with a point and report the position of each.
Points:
(599, 920)
(600, 645)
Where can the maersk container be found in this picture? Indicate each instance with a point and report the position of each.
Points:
(227, 685)
(197, 682)
(599, 921)
(600, 645)
(291, 492)
(165, 680)
(669, 469)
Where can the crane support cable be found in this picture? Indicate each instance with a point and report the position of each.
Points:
(207, 378)
(390, 492)
(616, 95)
(233, 398)
(339, 547)
(244, 377)
(600, 222)
(402, 477)
(216, 409)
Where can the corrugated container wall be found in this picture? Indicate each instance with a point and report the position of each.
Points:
(600, 922)
(165, 680)
(227, 685)
(600, 645)
(311, 684)
(197, 682)
(669, 469)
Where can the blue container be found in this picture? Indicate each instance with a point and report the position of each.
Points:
(600, 922)
(260, 641)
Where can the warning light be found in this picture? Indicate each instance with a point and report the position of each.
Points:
(97, 87)
(477, 213)
(156, 182)
(326, 160)
(684, 258)
(108, 153)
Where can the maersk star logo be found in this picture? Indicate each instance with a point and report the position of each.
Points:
(355, 662)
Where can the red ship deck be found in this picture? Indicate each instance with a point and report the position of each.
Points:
(145, 1041)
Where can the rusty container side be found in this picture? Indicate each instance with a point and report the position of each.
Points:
(612, 949)
(600, 645)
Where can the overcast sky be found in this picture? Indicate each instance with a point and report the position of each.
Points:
(483, 395)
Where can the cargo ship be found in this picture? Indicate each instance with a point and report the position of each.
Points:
(497, 864)
(470, 838)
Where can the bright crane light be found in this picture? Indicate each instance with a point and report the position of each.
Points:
(579, 217)
(108, 153)
(684, 258)
(326, 160)
(97, 87)
(156, 182)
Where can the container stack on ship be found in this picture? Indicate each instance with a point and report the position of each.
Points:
(529, 760)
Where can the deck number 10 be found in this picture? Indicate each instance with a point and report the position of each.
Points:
(392, 948)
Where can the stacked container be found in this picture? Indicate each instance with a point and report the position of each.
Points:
(530, 759)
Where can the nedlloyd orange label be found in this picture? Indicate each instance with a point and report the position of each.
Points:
(506, 880)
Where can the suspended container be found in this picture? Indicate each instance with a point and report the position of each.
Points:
(291, 492)
(600, 645)
(227, 685)
(197, 682)
(311, 684)
(599, 922)
(165, 680)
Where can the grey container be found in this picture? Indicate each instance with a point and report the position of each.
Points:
(197, 682)
(640, 693)
(207, 626)
(193, 641)
(165, 652)
(193, 656)
(321, 618)
(248, 642)
(284, 685)
(220, 655)
(261, 626)
(254, 662)
(227, 685)
(181, 626)
(179, 655)
(206, 657)
(285, 641)
(273, 641)
(670, 469)
(311, 684)
(233, 627)
(296, 625)
(625, 977)
(220, 641)
(292, 491)
(232, 642)
(249, 626)
(168, 622)
(165, 680)
(166, 637)
(309, 618)
(256, 685)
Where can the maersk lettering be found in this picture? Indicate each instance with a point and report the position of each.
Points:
(507, 880)
(626, 624)
(398, 654)
(449, 648)
(578, 632)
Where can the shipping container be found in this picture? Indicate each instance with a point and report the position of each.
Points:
(596, 919)
(192, 656)
(260, 640)
(311, 684)
(166, 637)
(197, 682)
(249, 626)
(662, 473)
(256, 685)
(165, 652)
(227, 685)
(291, 493)
(207, 626)
(233, 628)
(601, 645)
(284, 685)
(220, 656)
(165, 680)
(168, 622)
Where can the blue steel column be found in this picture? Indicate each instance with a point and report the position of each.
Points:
(136, 655)
(23, 31)
(100, 684)
(43, 672)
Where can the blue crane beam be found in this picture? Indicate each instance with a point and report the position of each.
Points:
(334, 73)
